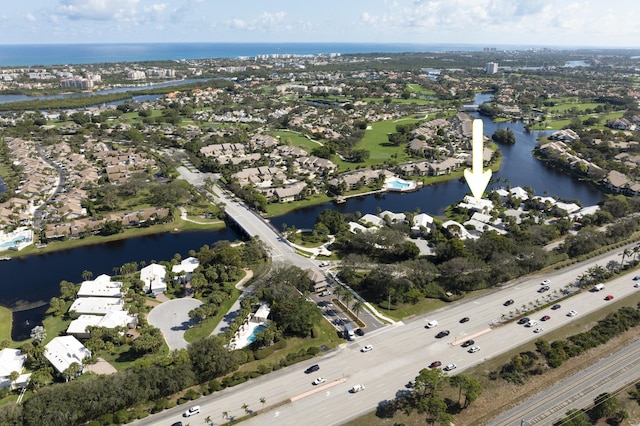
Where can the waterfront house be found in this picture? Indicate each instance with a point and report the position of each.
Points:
(63, 351)
(12, 360)
(153, 277)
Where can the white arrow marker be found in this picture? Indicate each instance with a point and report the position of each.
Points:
(477, 179)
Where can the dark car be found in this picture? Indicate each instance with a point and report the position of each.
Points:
(543, 289)
(556, 306)
(545, 318)
(314, 367)
(443, 333)
(463, 320)
(508, 302)
(435, 364)
(468, 343)
(177, 424)
(523, 320)
(359, 332)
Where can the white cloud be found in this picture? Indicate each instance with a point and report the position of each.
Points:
(266, 21)
(29, 17)
(98, 10)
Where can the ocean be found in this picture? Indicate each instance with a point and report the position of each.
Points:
(25, 55)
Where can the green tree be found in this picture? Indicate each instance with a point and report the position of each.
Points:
(604, 405)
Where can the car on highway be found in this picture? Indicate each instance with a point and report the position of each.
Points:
(531, 323)
(609, 297)
(538, 330)
(636, 278)
(467, 343)
(463, 320)
(450, 367)
(319, 381)
(357, 388)
(556, 306)
(177, 424)
(508, 302)
(366, 348)
(572, 313)
(523, 320)
(545, 318)
(314, 367)
(435, 364)
(636, 285)
(443, 333)
(359, 332)
(431, 324)
(543, 289)
(191, 411)
(545, 282)
(473, 349)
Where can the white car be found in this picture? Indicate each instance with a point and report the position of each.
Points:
(531, 323)
(191, 411)
(450, 367)
(357, 388)
(572, 313)
(538, 330)
(545, 282)
(473, 349)
(432, 324)
(319, 381)
(366, 348)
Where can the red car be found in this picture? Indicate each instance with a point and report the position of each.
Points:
(435, 364)
(545, 318)
(609, 297)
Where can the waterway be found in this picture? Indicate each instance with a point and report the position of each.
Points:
(33, 280)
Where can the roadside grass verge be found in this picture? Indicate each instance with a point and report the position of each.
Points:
(206, 327)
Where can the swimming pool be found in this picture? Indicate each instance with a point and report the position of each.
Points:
(254, 333)
(13, 242)
(396, 184)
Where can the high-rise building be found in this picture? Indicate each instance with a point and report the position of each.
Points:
(492, 68)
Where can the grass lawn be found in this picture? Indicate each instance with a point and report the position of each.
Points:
(278, 209)
(54, 326)
(6, 322)
(205, 328)
(122, 359)
(416, 88)
(295, 139)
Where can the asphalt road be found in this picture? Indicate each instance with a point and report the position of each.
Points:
(399, 352)
(172, 317)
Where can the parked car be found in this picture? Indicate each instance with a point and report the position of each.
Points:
(609, 297)
(366, 348)
(319, 380)
(314, 367)
(442, 334)
(523, 320)
(191, 411)
(450, 367)
(538, 330)
(473, 349)
(359, 332)
(468, 343)
(508, 302)
(463, 320)
(572, 313)
(357, 388)
(435, 364)
(556, 306)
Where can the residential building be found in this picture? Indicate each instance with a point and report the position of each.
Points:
(63, 351)
(153, 277)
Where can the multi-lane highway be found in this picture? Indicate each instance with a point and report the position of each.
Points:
(399, 352)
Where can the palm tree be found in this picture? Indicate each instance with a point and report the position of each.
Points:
(263, 401)
(625, 253)
(357, 307)
(225, 414)
(207, 420)
(245, 407)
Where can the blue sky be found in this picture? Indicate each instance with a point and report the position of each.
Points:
(606, 23)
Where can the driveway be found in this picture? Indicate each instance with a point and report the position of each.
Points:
(172, 317)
